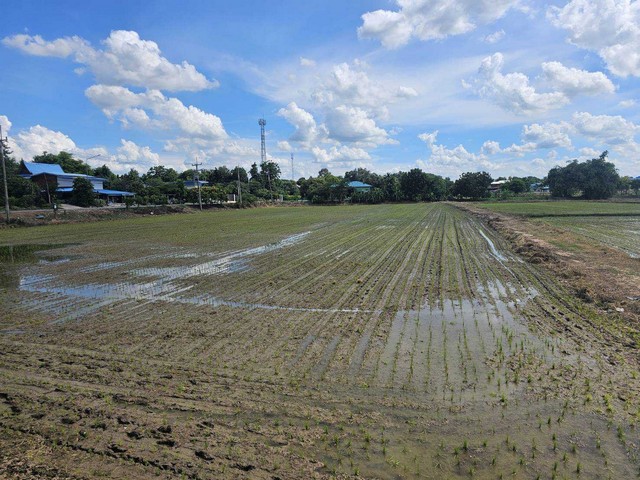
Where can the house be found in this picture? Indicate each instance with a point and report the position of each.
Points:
(539, 188)
(48, 176)
(359, 186)
(496, 186)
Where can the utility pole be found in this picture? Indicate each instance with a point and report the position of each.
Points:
(239, 191)
(197, 179)
(4, 176)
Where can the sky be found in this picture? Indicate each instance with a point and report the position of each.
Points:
(511, 87)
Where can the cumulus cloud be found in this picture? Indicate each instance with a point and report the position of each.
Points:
(609, 27)
(347, 85)
(343, 155)
(125, 60)
(612, 130)
(353, 124)
(131, 152)
(627, 103)
(490, 147)
(548, 135)
(513, 91)
(38, 139)
(430, 19)
(307, 131)
(572, 81)
(6, 124)
(429, 138)
(168, 113)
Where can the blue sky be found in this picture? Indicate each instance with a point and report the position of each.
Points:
(512, 87)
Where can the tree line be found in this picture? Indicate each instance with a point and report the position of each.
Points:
(592, 179)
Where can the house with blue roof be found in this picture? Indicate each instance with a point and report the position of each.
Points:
(52, 177)
(359, 186)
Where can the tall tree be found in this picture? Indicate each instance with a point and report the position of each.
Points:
(473, 185)
(83, 194)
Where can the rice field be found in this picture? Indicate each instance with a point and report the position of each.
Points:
(614, 224)
(390, 341)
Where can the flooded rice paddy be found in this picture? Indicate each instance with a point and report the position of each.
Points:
(397, 341)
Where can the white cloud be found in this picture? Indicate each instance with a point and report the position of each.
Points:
(352, 124)
(627, 103)
(513, 91)
(548, 135)
(6, 124)
(490, 147)
(429, 138)
(494, 37)
(430, 19)
(572, 81)
(611, 130)
(307, 131)
(609, 27)
(133, 153)
(284, 146)
(125, 60)
(38, 139)
(342, 155)
(168, 113)
(345, 85)
(36, 45)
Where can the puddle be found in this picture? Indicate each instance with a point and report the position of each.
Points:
(13, 256)
(157, 283)
(493, 248)
(26, 253)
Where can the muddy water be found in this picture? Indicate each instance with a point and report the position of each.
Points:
(155, 284)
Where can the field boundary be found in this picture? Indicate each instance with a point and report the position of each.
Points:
(586, 270)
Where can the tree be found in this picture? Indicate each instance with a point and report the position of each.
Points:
(253, 173)
(106, 173)
(593, 179)
(516, 185)
(473, 185)
(600, 178)
(412, 184)
(83, 194)
(22, 192)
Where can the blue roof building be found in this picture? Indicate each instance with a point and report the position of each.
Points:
(44, 173)
(359, 186)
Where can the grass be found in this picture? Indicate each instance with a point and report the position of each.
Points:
(557, 208)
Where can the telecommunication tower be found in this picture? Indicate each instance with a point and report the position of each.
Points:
(263, 145)
(263, 153)
(292, 174)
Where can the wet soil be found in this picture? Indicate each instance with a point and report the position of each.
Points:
(408, 341)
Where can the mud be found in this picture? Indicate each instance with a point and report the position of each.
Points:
(426, 350)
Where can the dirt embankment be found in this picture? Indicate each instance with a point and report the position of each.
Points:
(602, 276)
(32, 218)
